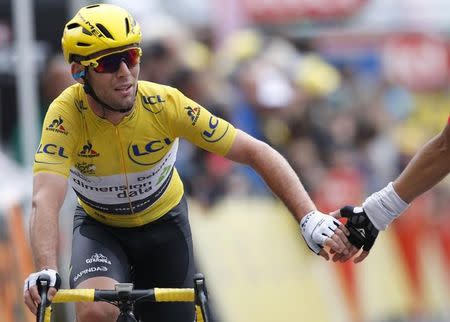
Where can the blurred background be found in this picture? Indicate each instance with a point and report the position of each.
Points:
(346, 90)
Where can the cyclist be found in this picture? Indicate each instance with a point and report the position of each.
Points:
(115, 139)
(427, 168)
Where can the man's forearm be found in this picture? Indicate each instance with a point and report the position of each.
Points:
(44, 240)
(282, 180)
(275, 170)
(429, 166)
(49, 191)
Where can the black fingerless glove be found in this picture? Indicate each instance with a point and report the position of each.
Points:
(362, 232)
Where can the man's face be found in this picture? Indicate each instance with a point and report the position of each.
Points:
(115, 81)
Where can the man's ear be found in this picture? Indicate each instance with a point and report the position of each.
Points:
(78, 72)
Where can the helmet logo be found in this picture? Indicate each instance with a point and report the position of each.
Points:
(93, 29)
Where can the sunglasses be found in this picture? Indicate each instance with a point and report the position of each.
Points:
(111, 63)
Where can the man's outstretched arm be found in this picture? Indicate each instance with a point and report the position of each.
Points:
(429, 166)
(318, 229)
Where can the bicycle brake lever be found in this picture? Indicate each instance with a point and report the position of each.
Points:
(201, 295)
(43, 283)
(200, 287)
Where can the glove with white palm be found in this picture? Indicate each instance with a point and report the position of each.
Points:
(319, 230)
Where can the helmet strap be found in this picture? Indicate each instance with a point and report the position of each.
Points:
(90, 91)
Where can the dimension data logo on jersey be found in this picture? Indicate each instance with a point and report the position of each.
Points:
(87, 151)
(57, 126)
(193, 113)
(85, 168)
(98, 258)
(216, 131)
(144, 153)
(153, 103)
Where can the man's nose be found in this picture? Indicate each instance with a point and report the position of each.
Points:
(123, 68)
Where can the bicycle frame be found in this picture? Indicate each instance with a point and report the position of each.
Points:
(124, 297)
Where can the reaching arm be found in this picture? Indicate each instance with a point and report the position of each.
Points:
(275, 170)
(318, 229)
(429, 166)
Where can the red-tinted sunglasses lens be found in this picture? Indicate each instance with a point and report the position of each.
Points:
(111, 63)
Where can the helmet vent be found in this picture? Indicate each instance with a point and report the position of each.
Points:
(73, 25)
(104, 31)
(92, 6)
(82, 44)
(127, 26)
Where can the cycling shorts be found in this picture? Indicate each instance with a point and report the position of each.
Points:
(158, 254)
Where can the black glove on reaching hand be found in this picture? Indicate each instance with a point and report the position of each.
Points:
(362, 232)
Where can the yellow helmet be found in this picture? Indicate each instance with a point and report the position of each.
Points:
(97, 28)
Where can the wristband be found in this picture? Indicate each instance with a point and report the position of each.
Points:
(383, 206)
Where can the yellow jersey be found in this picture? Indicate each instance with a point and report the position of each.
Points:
(124, 175)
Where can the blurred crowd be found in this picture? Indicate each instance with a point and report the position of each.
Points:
(328, 116)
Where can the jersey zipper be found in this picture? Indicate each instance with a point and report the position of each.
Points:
(124, 168)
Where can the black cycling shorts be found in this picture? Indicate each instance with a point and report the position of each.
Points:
(158, 254)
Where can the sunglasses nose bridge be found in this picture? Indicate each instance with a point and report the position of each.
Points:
(119, 65)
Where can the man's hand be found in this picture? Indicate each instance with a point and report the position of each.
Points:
(362, 233)
(30, 289)
(321, 230)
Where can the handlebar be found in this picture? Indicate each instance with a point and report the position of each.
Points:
(150, 295)
(124, 293)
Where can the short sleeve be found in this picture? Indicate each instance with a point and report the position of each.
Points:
(199, 126)
(57, 142)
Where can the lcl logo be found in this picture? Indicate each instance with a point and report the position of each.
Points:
(138, 152)
(51, 149)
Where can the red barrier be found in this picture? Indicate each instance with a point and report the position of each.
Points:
(410, 230)
(21, 263)
(342, 186)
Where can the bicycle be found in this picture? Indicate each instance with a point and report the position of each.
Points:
(124, 297)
